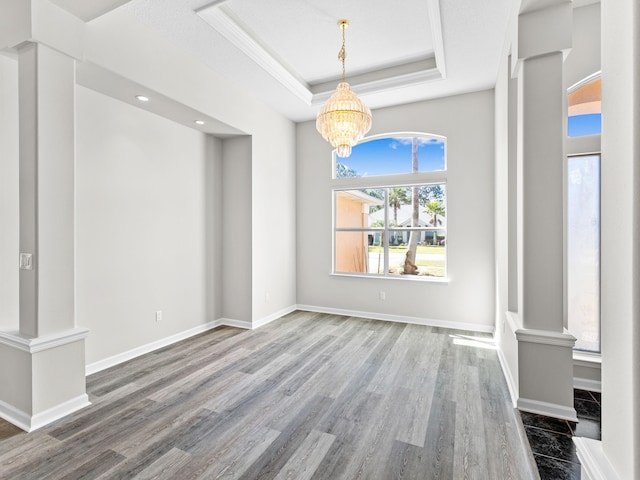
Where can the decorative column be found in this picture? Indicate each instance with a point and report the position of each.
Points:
(545, 350)
(46, 379)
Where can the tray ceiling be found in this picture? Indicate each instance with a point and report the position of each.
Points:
(285, 51)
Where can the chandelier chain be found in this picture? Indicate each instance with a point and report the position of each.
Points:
(342, 54)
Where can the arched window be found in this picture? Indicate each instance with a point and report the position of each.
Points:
(390, 215)
(582, 230)
(585, 107)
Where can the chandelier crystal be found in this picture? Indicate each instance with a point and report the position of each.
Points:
(344, 119)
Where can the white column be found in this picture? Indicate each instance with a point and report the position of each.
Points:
(617, 457)
(47, 377)
(545, 356)
(47, 124)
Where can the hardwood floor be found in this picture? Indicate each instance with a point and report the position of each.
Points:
(309, 396)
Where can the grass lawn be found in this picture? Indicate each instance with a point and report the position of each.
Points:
(433, 250)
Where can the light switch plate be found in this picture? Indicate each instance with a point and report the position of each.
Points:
(26, 261)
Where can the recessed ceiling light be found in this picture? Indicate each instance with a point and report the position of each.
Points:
(142, 98)
(199, 122)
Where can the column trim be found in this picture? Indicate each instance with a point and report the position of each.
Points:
(29, 423)
(547, 409)
(40, 344)
(545, 337)
(594, 463)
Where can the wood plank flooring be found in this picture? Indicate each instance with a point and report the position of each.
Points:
(309, 396)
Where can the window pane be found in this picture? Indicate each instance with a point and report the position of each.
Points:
(393, 155)
(428, 259)
(585, 109)
(583, 251)
(589, 124)
(353, 207)
(352, 252)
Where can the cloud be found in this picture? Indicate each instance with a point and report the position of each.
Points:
(409, 140)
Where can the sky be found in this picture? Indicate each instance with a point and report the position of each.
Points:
(386, 156)
(588, 124)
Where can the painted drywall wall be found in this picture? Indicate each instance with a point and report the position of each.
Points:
(9, 213)
(584, 57)
(236, 229)
(17, 388)
(143, 225)
(108, 44)
(620, 261)
(469, 296)
(506, 272)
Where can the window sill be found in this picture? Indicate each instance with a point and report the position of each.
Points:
(399, 278)
(585, 359)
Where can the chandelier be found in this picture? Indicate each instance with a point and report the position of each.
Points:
(344, 119)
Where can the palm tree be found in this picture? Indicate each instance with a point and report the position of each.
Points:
(434, 209)
(415, 201)
(397, 198)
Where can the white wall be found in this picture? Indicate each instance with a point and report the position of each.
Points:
(236, 229)
(469, 297)
(144, 218)
(621, 236)
(506, 273)
(109, 41)
(9, 213)
(584, 57)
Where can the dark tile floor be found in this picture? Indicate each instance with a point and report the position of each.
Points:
(550, 438)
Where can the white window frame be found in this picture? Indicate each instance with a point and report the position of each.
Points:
(438, 177)
(575, 147)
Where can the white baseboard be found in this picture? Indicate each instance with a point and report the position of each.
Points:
(506, 371)
(29, 423)
(230, 322)
(17, 417)
(163, 342)
(274, 316)
(401, 319)
(150, 347)
(547, 409)
(594, 463)
(587, 384)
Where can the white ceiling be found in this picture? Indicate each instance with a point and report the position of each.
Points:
(285, 51)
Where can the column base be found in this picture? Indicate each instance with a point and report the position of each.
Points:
(46, 380)
(29, 423)
(594, 464)
(545, 373)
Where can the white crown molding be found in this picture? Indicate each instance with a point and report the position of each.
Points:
(46, 342)
(221, 18)
(435, 22)
(594, 463)
(547, 409)
(384, 84)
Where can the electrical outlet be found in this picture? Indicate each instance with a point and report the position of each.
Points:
(158, 315)
(266, 297)
(383, 296)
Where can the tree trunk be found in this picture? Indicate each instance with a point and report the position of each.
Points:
(415, 219)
